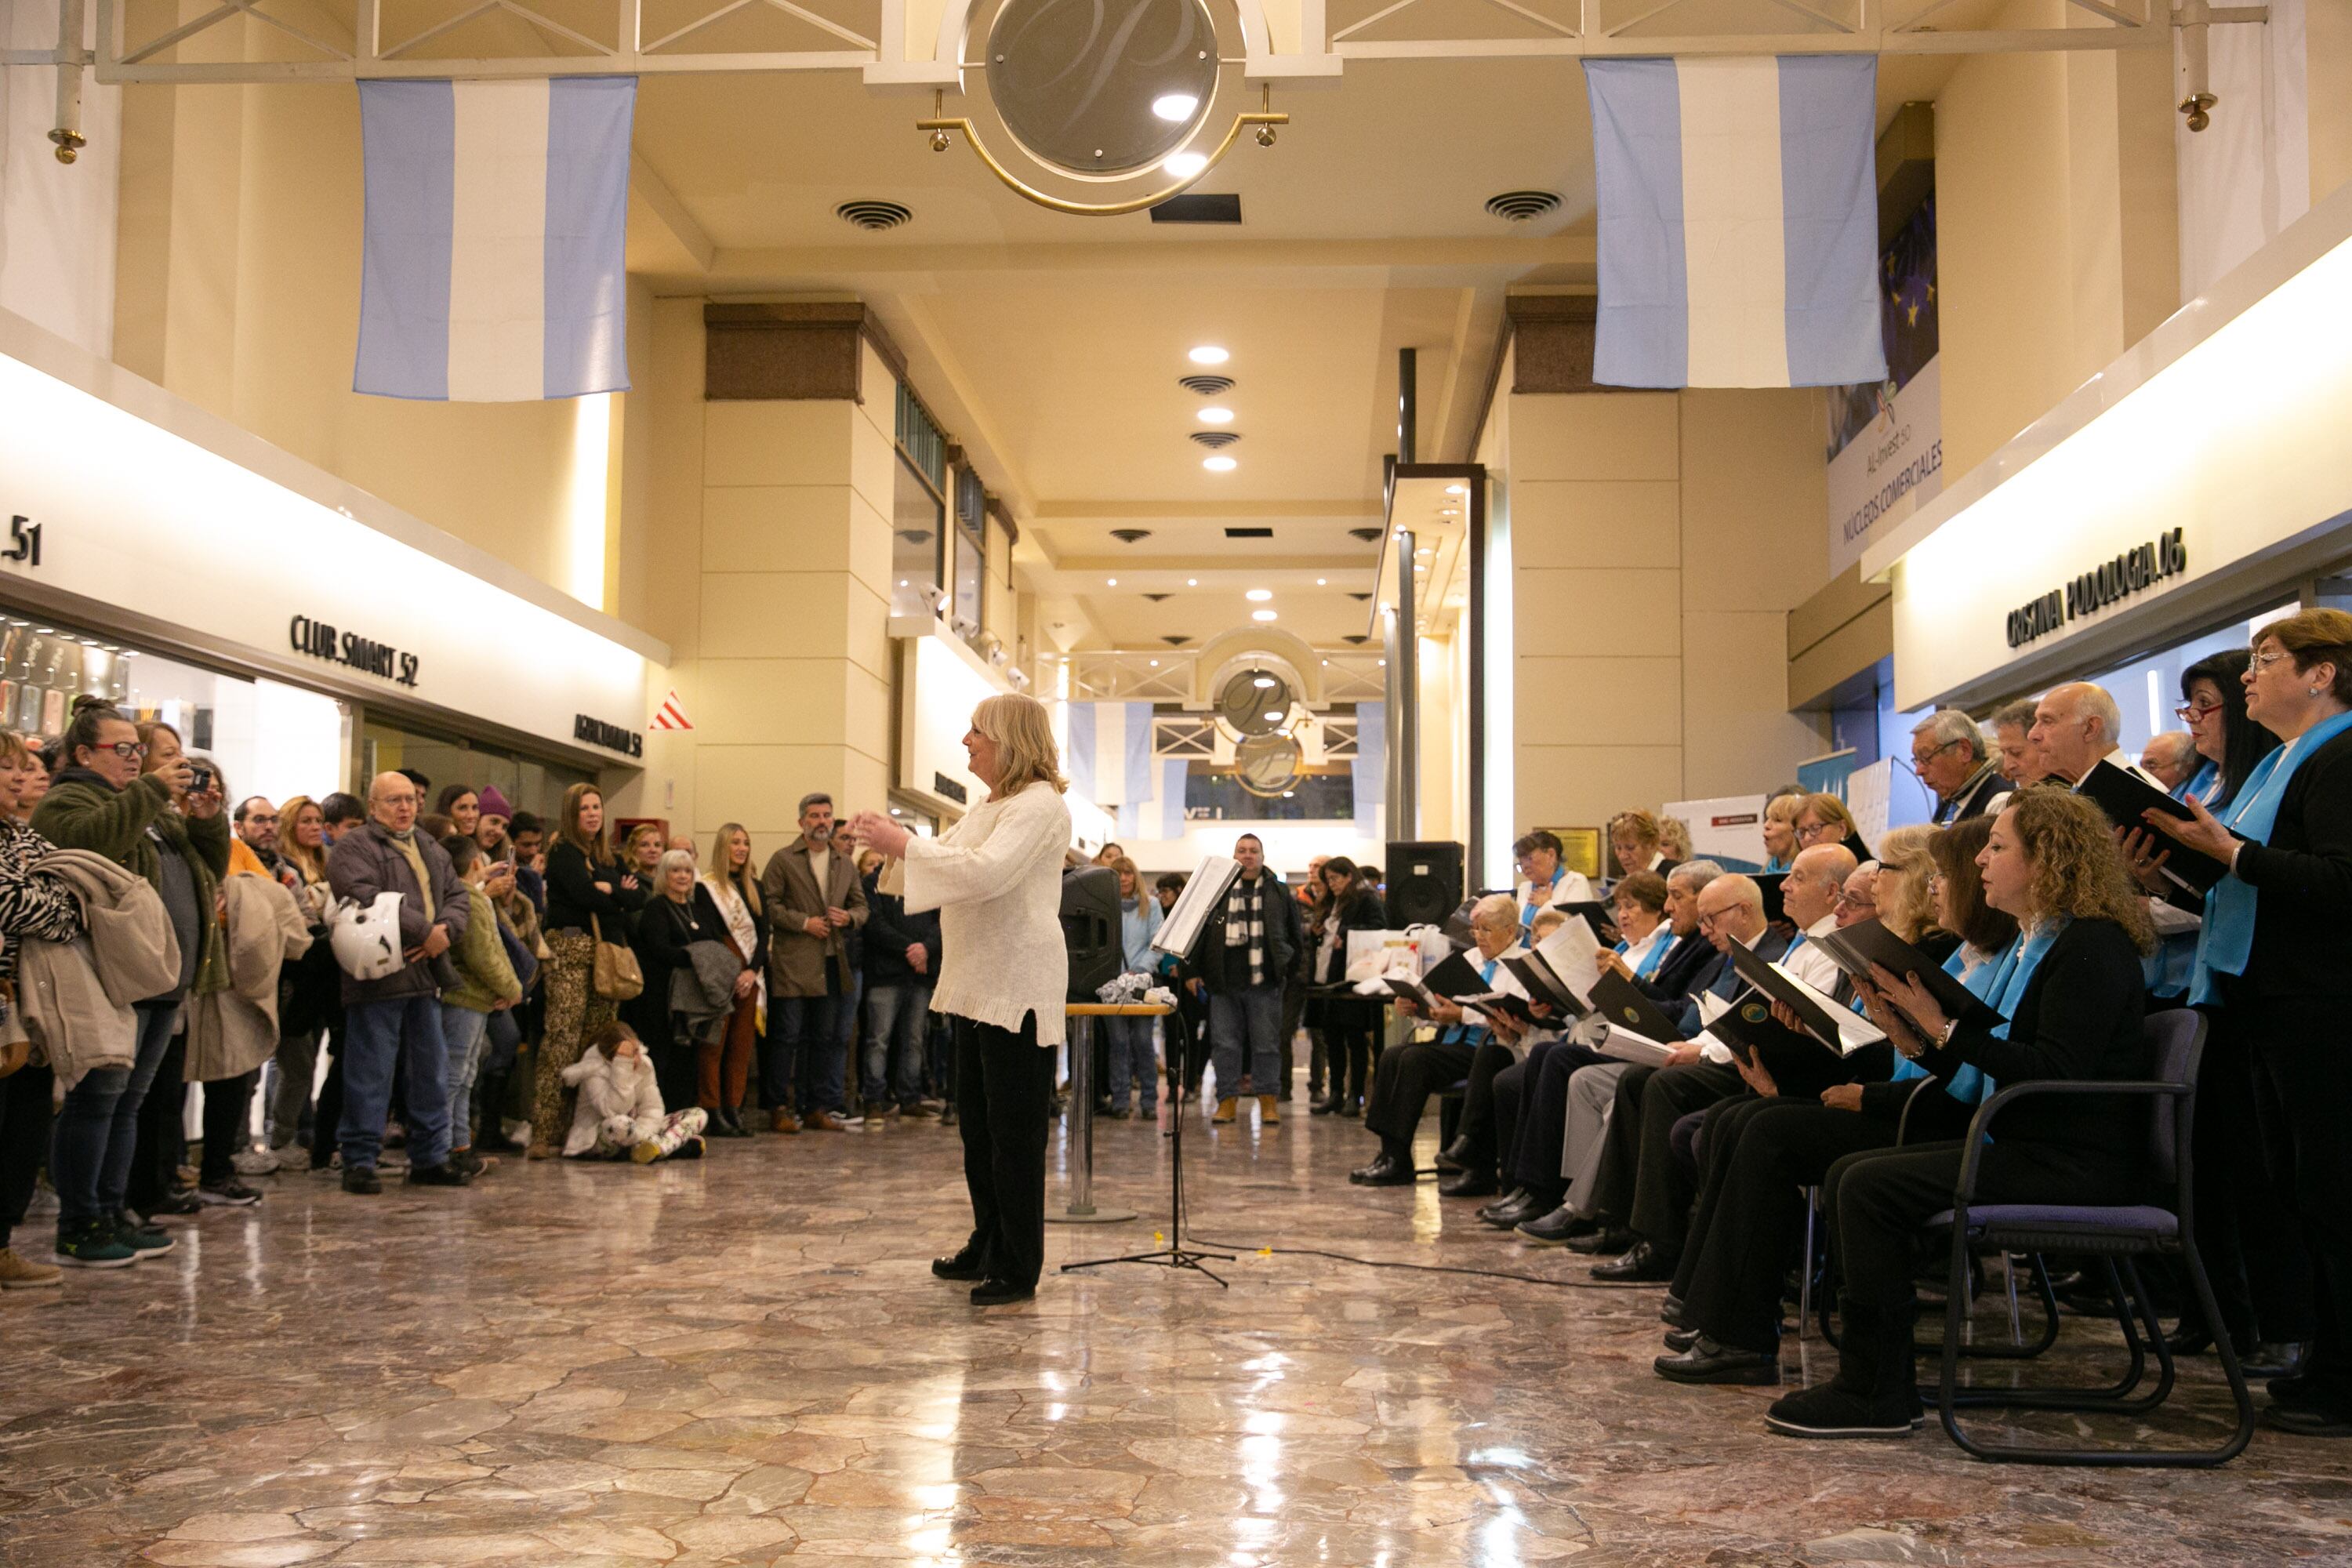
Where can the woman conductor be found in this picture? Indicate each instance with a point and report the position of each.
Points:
(996, 879)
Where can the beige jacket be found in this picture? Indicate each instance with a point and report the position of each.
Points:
(232, 1032)
(77, 995)
(796, 961)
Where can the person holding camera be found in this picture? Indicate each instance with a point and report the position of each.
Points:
(103, 801)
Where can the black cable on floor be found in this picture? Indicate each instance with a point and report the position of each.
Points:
(1236, 1247)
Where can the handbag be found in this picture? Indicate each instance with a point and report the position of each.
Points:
(617, 976)
(15, 1044)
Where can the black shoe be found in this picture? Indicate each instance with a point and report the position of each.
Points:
(2308, 1420)
(948, 1118)
(1515, 1196)
(2279, 1359)
(1353, 1110)
(1321, 1107)
(1388, 1171)
(1673, 1314)
(964, 1265)
(1604, 1241)
(1706, 1362)
(1559, 1226)
(360, 1179)
(1469, 1185)
(1680, 1340)
(442, 1175)
(2187, 1339)
(177, 1201)
(1645, 1264)
(1830, 1411)
(1451, 1158)
(997, 1292)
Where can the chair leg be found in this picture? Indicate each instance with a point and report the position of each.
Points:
(2008, 1280)
(2223, 1347)
(1805, 1275)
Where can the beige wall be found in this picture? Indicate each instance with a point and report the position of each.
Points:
(1658, 542)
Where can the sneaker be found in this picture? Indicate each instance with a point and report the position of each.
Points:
(917, 1107)
(948, 1117)
(1830, 1411)
(646, 1152)
(470, 1163)
(144, 1240)
(441, 1175)
(361, 1180)
(23, 1274)
(846, 1120)
(229, 1192)
(92, 1244)
(256, 1161)
(178, 1201)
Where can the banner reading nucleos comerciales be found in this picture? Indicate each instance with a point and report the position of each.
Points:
(1886, 440)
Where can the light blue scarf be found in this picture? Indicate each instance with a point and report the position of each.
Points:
(2000, 984)
(1528, 910)
(2201, 784)
(2227, 941)
(1659, 947)
(1774, 866)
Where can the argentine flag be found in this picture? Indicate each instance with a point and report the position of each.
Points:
(1738, 216)
(1107, 752)
(492, 267)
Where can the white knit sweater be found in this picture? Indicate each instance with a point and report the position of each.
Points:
(996, 879)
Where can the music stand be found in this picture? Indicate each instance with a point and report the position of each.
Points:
(1179, 935)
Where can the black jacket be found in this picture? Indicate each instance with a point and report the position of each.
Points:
(2079, 1018)
(1225, 970)
(1976, 797)
(2302, 884)
(1360, 911)
(706, 909)
(572, 898)
(890, 931)
(1688, 966)
(663, 927)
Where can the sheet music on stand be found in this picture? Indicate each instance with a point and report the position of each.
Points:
(1210, 882)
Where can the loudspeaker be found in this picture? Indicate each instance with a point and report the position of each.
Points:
(1424, 883)
(1090, 930)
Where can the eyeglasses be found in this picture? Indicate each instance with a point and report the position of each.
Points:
(1920, 759)
(2190, 712)
(1849, 901)
(2264, 660)
(129, 751)
(1817, 830)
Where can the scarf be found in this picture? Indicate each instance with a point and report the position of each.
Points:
(2227, 941)
(1661, 941)
(1969, 1086)
(1528, 910)
(2201, 784)
(1245, 923)
(406, 844)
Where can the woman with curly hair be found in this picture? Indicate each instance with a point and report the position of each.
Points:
(2070, 991)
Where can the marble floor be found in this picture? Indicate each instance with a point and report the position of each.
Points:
(746, 1360)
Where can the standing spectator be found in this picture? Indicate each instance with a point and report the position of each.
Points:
(396, 1020)
(341, 814)
(814, 896)
(641, 853)
(258, 830)
(1245, 949)
(731, 895)
(311, 998)
(902, 962)
(529, 836)
(674, 918)
(1349, 1022)
(486, 985)
(102, 802)
(228, 1101)
(1132, 1055)
(586, 893)
(490, 824)
(502, 1089)
(34, 907)
(850, 1011)
(462, 806)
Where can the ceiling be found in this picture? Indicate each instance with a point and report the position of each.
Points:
(1049, 346)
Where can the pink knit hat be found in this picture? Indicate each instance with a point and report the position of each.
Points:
(493, 804)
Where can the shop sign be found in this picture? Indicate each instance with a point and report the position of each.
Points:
(352, 650)
(1886, 440)
(2110, 582)
(24, 542)
(611, 737)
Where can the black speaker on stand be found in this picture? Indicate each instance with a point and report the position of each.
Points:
(1424, 878)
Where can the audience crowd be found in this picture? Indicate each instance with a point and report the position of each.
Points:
(539, 988)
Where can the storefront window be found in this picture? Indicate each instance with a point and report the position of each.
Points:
(528, 784)
(2147, 690)
(914, 545)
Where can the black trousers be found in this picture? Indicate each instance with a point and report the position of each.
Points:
(1349, 1023)
(1002, 1084)
(1759, 1155)
(1479, 1123)
(226, 1102)
(327, 1114)
(161, 1146)
(1640, 1181)
(2303, 1089)
(1411, 1075)
(1535, 1145)
(2248, 1234)
(24, 1097)
(1878, 1200)
(1294, 1007)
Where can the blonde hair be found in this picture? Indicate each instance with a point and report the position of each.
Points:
(1785, 808)
(1831, 809)
(1907, 852)
(1024, 733)
(716, 870)
(1673, 838)
(310, 863)
(1639, 824)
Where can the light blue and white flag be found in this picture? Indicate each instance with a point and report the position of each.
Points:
(493, 268)
(1368, 773)
(1738, 216)
(1109, 751)
(1173, 772)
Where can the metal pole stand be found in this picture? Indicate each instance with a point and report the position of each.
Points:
(1082, 1210)
(1176, 1254)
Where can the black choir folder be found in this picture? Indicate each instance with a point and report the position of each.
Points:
(1858, 946)
(2123, 795)
(1835, 1027)
(1621, 1001)
(1795, 1059)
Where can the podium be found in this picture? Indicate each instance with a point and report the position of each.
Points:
(1081, 1209)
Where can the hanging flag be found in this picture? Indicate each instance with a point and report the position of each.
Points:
(1173, 772)
(1739, 218)
(1368, 774)
(492, 267)
(671, 714)
(1107, 752)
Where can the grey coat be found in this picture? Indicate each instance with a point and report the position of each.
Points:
(368, 862)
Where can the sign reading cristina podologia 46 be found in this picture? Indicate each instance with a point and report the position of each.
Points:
(2087, 593)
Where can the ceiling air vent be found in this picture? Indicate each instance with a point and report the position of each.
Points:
(877, 216)
(1360, 638)
(1366, 534)
(1359, 598)
(1155, 598)
(1215, 440)
(1206, 385)
(1129, 535)
(1175, 642)
(1519, 206)
(916, 535)
(1249, 533)
(1205, 207)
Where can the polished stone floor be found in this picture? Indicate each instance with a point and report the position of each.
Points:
(746, 1360)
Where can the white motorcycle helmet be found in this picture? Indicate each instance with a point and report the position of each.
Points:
(366, 940)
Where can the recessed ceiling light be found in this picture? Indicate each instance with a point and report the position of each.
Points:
(1111, 582)
(1175, 106)
(1318, 582)
(1400, 533)
(1183, 167)
(1424, 553)
(1155, 664)
(1214, 415)
(1208, 353)
(1273, 718)
(1220, 464)
(1261, 615)
(1456, 491)
(1263, 683)
(1191, 581)
(1258, 595)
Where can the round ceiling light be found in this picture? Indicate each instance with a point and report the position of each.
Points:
(1220, 464)
(1214, 415)
(1456, 491)
(1262, 615)
(1208, 353)
(1176, 107)
(1258, 595)
(1087, 97)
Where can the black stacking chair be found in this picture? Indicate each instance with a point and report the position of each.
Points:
(2115, 1236)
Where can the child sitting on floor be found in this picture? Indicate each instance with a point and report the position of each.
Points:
(620, 1110)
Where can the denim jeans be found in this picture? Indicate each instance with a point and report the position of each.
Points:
(806, 1058)
(463, 1030)
(898, 1017)
(1251, 1020)
(98, 1126)
(372, 1041)
(845, 1008)
(1134, 1053)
